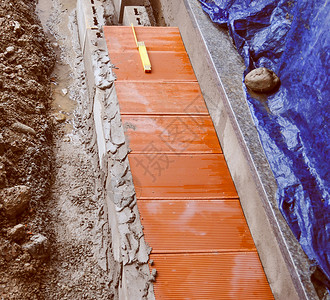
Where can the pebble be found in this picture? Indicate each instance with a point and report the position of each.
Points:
(10, 50)
(59, 117)
(64, 92)
(17, 26)
(40, 108)
(261, 80)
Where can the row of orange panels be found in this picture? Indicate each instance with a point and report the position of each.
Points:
(189, 208)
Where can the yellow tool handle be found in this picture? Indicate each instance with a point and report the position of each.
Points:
(137, 45)
(143, 53)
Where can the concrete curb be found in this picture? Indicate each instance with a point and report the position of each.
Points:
(128, 244)
(219, 70)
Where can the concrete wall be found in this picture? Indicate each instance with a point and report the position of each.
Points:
(129, 247)
(219, 70)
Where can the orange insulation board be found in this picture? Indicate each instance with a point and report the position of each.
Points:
(160, 98)
(189, 208)
(210, 276)
(169, 134)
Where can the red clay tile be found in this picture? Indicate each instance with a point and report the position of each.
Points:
(169, 176)
(216, 276)
(140, 98)
(171, 134)
(195, 225)
(166, 66)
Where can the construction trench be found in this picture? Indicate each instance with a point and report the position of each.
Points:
(180, 197)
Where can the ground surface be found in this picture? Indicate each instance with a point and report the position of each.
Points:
(47, 154)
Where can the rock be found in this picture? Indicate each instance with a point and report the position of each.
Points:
(17, 27)
(64, 92)
(10, 50)
(59, 117)
(14, 200)
(38, 246)
(261, 80)
(23, 128)
(17, 233)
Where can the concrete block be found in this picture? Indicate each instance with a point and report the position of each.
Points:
(136, 15)
(85, 19)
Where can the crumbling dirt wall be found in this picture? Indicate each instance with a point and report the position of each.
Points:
(26, 60)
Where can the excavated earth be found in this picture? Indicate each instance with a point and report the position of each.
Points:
(53, 233)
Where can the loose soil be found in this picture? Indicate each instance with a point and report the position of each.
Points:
(47, 146)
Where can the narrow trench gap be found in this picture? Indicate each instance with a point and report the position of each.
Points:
(74, 269)
(158, 13)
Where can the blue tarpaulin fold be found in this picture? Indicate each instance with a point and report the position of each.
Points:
(291, 38)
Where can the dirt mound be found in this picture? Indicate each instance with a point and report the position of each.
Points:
(26, 60)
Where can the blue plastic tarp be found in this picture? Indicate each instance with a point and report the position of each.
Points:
(291, 38)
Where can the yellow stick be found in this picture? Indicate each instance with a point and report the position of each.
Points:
(143, 53)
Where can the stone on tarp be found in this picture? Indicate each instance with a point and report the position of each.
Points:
(261, 80)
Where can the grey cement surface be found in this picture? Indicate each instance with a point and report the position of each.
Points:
(219, 70)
